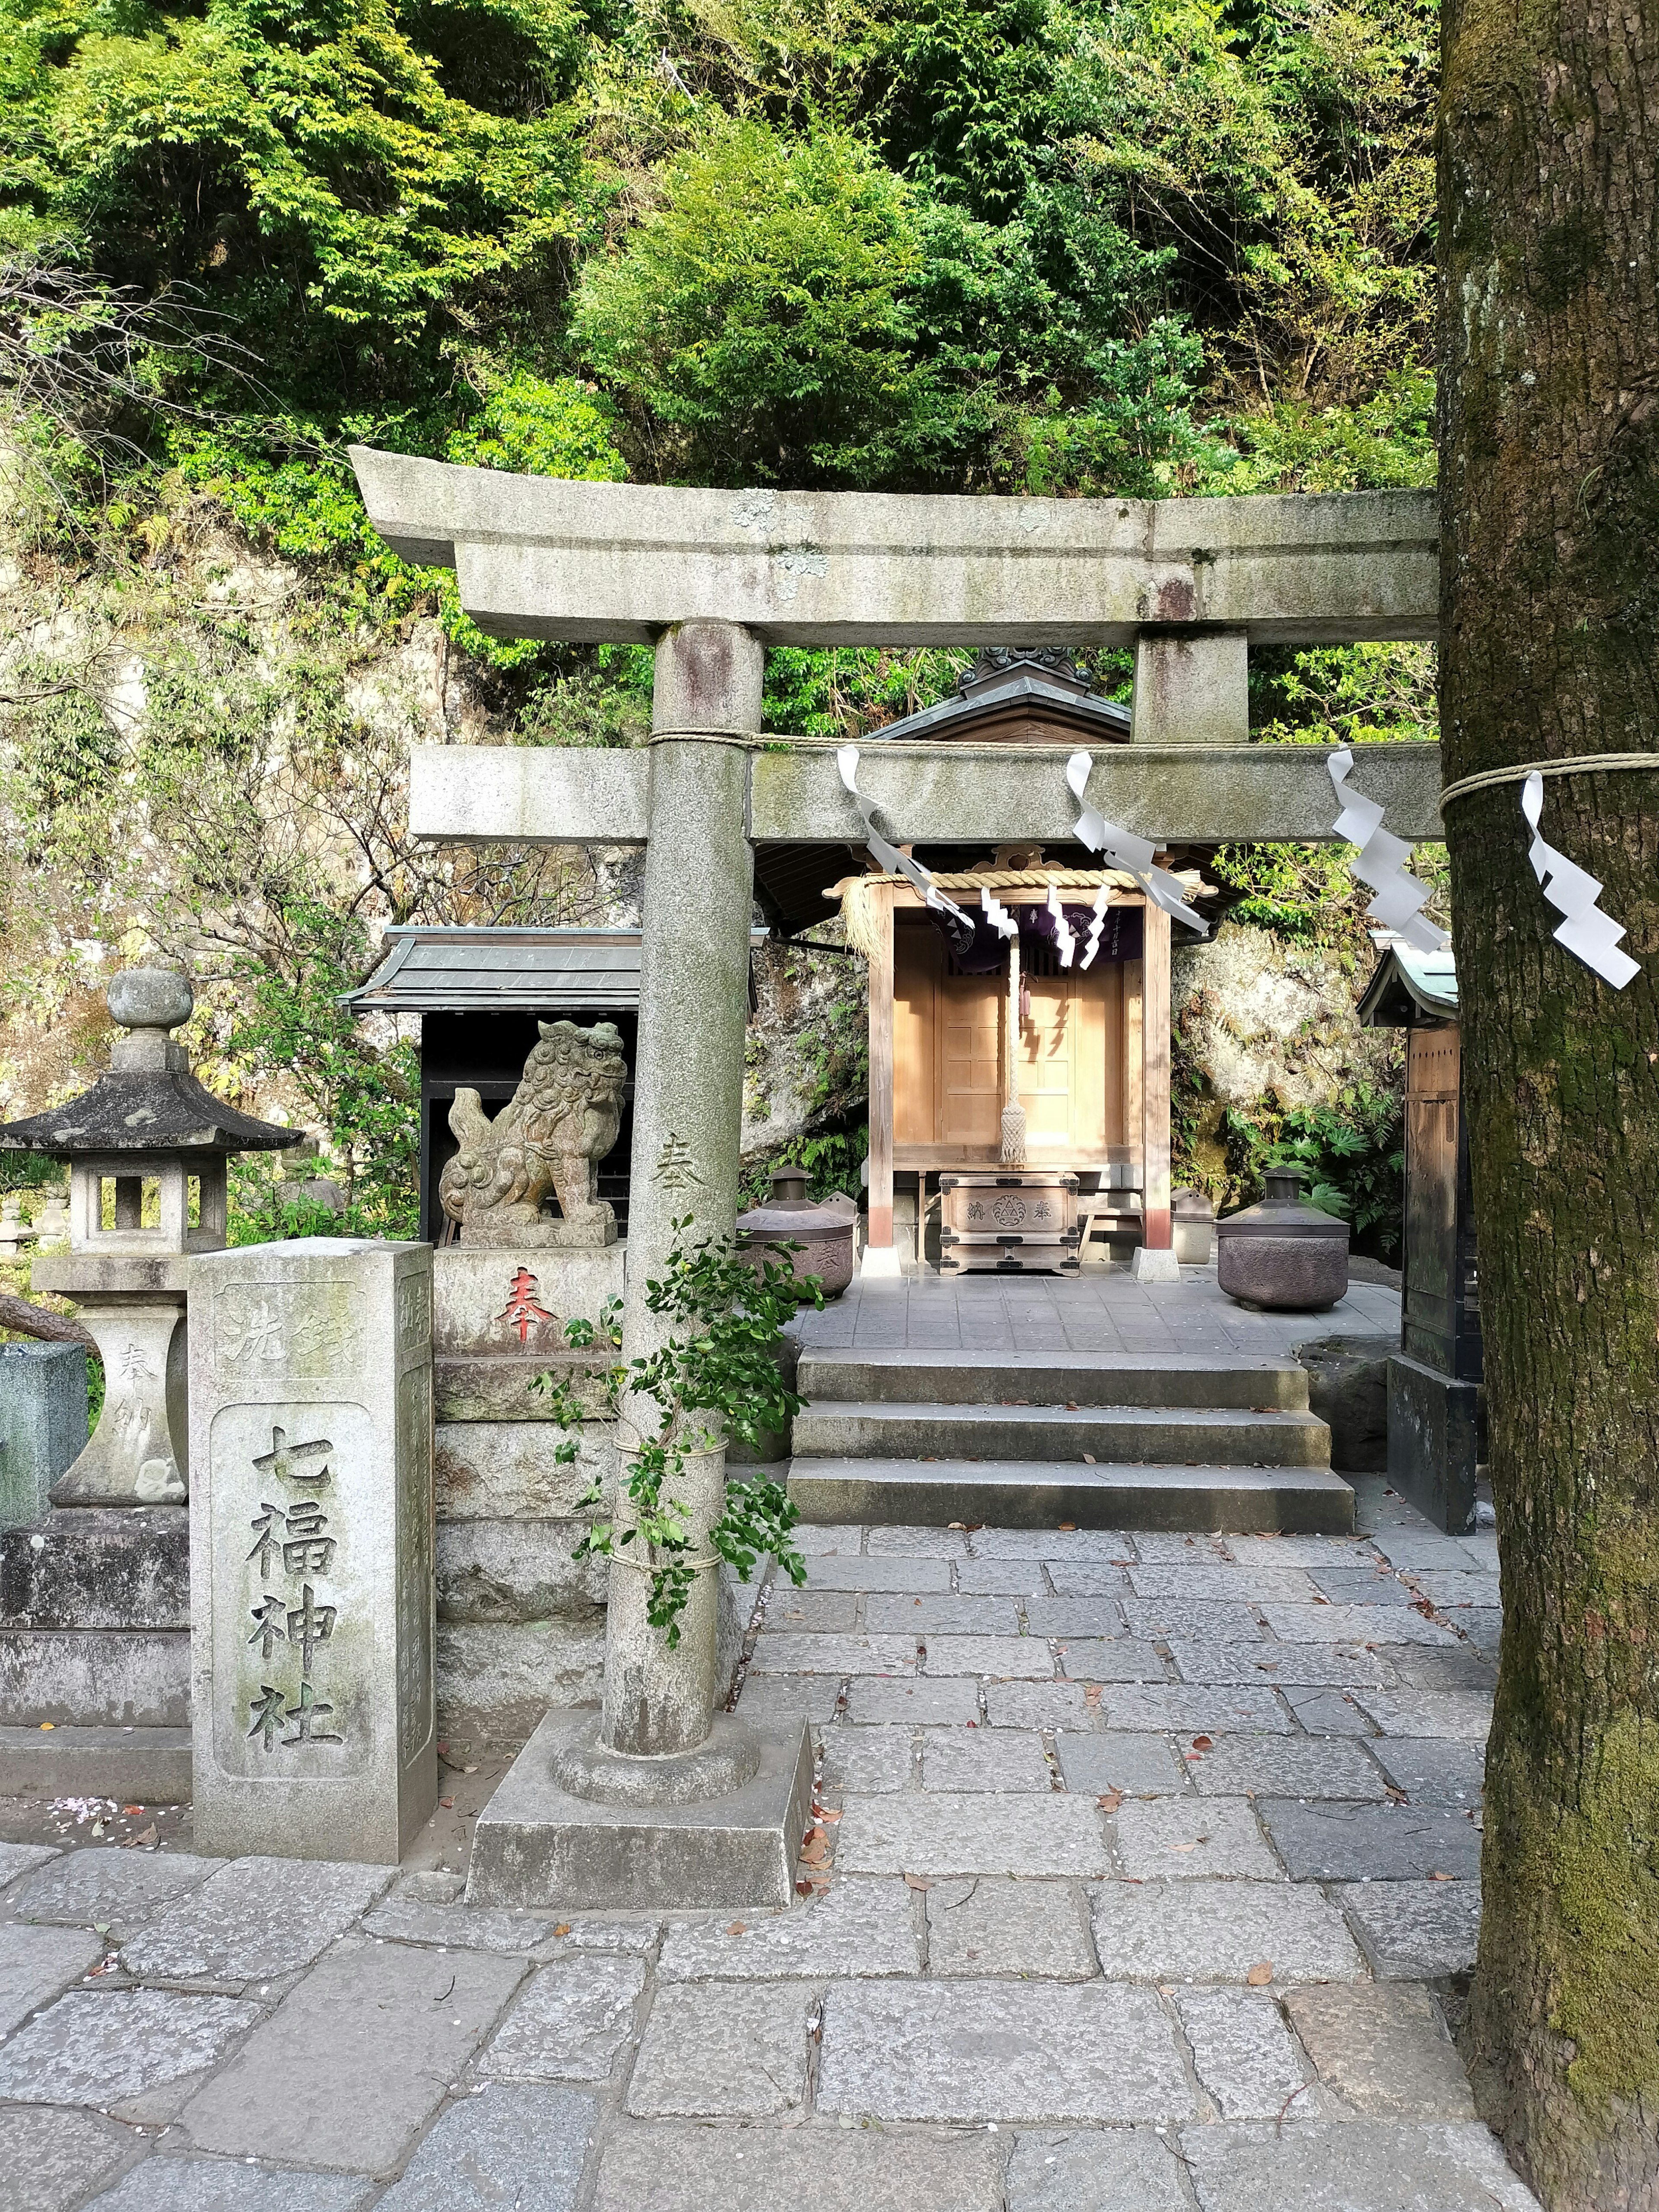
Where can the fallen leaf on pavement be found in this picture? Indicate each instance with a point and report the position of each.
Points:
(1110, 1802)
(915, 1882)
(1068, 1528)
(563, 1928)
(1259, 1974)
(803, 1889)
(1203, 1743)
(737, 1929)
(446, 1803)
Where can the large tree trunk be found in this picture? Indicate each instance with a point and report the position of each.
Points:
(1550, 648)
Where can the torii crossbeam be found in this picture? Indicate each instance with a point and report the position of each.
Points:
(713, 577)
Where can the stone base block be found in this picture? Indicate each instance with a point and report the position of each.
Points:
(148, 1766)
(43, 1425)
(1433, 1442)
(1155, 1264)
(507, 1298)
(93, 1677)
(89, 1566)
(880, 1263)
(497, 1679)
(537, 1847)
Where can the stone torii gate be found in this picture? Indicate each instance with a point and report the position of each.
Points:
(674, 1805)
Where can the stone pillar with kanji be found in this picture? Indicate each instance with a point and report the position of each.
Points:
(312, 1567)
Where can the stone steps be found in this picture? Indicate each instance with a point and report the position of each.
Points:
(1164, 1435)
(1162, 1440)
(151, 1764)
(1041, 1493)
(1083, 1378)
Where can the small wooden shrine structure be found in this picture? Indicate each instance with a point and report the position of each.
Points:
(1091, 1058)
(1435, 1380)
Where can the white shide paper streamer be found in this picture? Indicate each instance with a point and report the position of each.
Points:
(997, 915)
(1382, 863)
(1587, 934)
(1063, 937)
(1102, 898)
(1121, 849)
(887, 857)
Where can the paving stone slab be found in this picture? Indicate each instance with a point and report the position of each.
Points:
(860, 1925)
(637, 1937)
(1026, 1578)
(983, 1759)
(957, 1833)
(1215, 1579)
(1374, 1843)
(1067, 1546)
(811, 1654)
(50, 2159)
(1483, 1624)
(875, 1759)
(568, 2022)
(884, 1541)
(1373, 1585)
(36, 1964)
(511, 2149)
(402, 2023)
(818, 1541)
(1074, 1616)
(1432, 1770)
(725, 2050)
(1286, 1666)
(835, 1571)
(1164, 1547)
(877, 1698)
(1038, 1704)
(1460, 1667)
(1415, 1930)
(996, 1925)
(22, 1858)
(1191, 1839)
(1247, 2058)
(1352, 2166)
(117, 2049)
(1215, 1623)
(1411, 1550)
(890, 1612)
(1002, 2051)
(1099, 1581)
(666, 2168)
(1176, 1931)
(1383, 2048)
(768, 1698)
(1188, 1709)
(1328, 1713)
(1119, 2170)
(1122, 1659)
(468, 1927)
(123, 1888)
(798, 1611)
(1001, 1658)
(1354, 1624)
(253, 1920)
(1136, 1765)
(165, 2184)
(1287, 1766)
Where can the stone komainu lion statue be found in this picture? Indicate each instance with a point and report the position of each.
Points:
(561, 1122)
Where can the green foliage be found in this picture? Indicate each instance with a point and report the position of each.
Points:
(715, 1377)
(1351, 1152)
(833, 1159)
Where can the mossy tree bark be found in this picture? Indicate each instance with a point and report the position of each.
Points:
(1549, 144)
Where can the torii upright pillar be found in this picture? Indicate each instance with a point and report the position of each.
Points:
(666, 1802)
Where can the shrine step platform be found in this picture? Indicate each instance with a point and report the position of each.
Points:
(1212, 1442)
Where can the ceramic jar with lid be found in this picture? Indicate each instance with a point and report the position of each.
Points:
(822, 1228)
(1283, 1254)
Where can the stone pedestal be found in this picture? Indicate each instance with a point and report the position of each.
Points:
(311, 1549)
(1434, 1442)
(43, 1425)
(499, 1323)
(134, 1309)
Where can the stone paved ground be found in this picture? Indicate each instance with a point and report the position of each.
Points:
(1145, 1878)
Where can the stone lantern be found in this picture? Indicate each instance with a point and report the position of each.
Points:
(146, 1147)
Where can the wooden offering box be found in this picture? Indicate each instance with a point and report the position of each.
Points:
(1018, 1222)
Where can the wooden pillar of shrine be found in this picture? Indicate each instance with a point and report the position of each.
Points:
(1155, 1233)
(880, 1257)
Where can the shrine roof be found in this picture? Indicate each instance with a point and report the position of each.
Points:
(1029, 697)
(1409, 986)
(484, 970)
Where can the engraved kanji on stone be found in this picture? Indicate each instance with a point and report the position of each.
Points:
(675, 1169)
(259, 1337)
(269, 1624)
(309, 1624)
(294, 1462)
(308, 1551)
(306, 1713)
(264, 1525)
(521, 1310)
(267, 1710)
